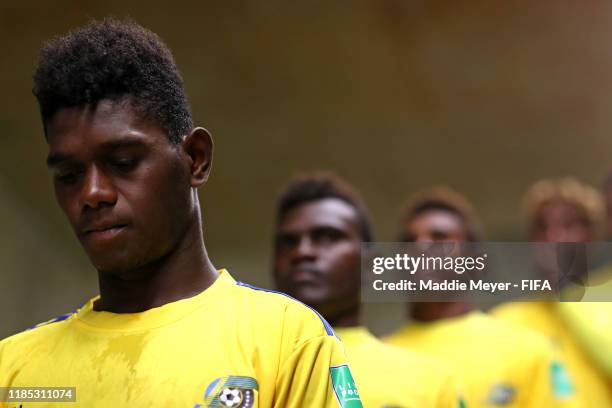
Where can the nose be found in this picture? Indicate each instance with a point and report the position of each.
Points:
(553, 235)
(557, 233)
(97, 189)
(304, 249)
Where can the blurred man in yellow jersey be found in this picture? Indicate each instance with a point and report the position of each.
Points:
(591, 322)
(563, 210)
(321, 223)
(606, 190)
(498, 365)
(168, 329)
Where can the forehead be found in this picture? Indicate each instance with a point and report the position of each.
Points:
(87, 126)
(435, 220)
(327, 212)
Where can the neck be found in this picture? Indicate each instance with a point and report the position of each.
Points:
(182, 273)
(432, 311)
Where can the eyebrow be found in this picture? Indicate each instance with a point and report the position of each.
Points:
(316, 228)
(55, 159)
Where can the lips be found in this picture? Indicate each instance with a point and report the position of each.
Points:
(103, 231)
(305, 275)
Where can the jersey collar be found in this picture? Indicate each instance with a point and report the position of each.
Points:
(157, 316)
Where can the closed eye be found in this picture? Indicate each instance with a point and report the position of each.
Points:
(67, 175)
(327, 235)
(123, 164)
(286, 241)
(68, 178)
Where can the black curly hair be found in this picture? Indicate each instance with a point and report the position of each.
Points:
(116, 60)
(319, 186)
(446, 199)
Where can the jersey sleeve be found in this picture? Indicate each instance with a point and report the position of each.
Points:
(316, 374)
(591, 323)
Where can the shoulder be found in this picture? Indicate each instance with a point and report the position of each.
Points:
(515, 311)
(39, 334)
(276, 306)
(536, 319)
(518, 342)
(428, 367)
(403, 358)
(296, 332)
(396, 338)
(505, 332)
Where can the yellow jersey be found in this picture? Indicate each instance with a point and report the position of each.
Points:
(498, 365)
(591, 325)
(388, 376)
(591, 385)
(232, 345)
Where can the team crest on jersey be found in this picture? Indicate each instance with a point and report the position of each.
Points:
(501, 394)
(230, 392)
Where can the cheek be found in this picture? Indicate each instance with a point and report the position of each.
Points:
(584, 233)
(344, 263)
(280, 268)
(67, 204)
(158, 212)
(162, 188)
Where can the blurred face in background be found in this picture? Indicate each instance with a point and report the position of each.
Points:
(562, 222)
(317, 256)
(435, 225)
(607, 193)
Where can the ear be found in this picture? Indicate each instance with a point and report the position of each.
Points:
(198, 145)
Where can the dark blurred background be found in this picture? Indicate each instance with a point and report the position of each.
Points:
(485, 96)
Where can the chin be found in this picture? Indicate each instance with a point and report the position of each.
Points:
(310, 296)
(119, 267)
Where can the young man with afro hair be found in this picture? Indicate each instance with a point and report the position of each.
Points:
(168, 329)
